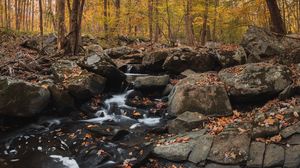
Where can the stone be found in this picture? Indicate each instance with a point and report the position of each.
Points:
(19, 98)
(214, 165)
(151, 82)
(255, 82)
(81, 84)
(181, 59)
(256, 155)
(102, 64)
(260, 42)
(232, 57)
(203, 93)
(274, 156)
(287, 93)
(186, 122)
(154, 61)
(292, 157)
(201, 149)
(93, 49)
(61, 99)
(188, 72)
(294, 140)
(178, 151)
(291, 130)
(120, 51)
(264, 132)
(230, 149)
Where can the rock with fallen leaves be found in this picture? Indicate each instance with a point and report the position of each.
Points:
(255, 82)
(100, 64)
(81, 84)
(181, 59)
(203, 93)
(22, 99)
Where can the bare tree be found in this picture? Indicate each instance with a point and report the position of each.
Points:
(150, 19)
(41, 17)
(60, 23)
(204, 26)
(188, 23)
(277, 22)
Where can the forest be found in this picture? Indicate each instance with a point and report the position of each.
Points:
(149, 83)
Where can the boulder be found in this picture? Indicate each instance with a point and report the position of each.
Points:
(81, 84)
(61, 100)
(93, 49)
(229, 57)
(201, 149)
(186, 122)
(292, 157)
(260, 42)
(230, 148)
(151, 83)
(174, 150)
(102, 65)
(120, 51)
(255, 82)
(22, 99)
(154, 61)
(181, 59)
(203, 93)
(274, 156)
(256, 154)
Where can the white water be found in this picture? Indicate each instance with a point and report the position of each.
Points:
(66, 161)
(120, 100)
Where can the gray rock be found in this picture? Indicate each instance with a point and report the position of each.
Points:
(260, 42)
(291, 130)
(197, 94)
(274, 156)
(256, 81)
(151, 82)
(186, 122)
(228, 58)
(256, 154)
(292, 157)
(93, 49)
(101, 64)
(287, 93)
(181, 59)
(81, 84)
(294, 140)
(168, 89)
(188, 72)
(214, 165)
(154, 61)
(263, 131)
(22, 99)
(61, 99)
(174, 151)
(230, 149)
(120, 51)
(201, 149)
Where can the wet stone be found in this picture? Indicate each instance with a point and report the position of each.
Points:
(292, 157)
(214, 165)
(256, 154)
(262, 131)
(274, 156)
(291, 130)
(294, 140)
(230, 148)
(201, 149)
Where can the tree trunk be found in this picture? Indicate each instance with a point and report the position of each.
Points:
(204, 26)
(32, 15)
(189, 23)
(60, 23)
(156, 34)
(170, 36)
(41, 17)
(150, 19)
(276, 19)
(216, 4)
(76, 19)
(105, 13)
(117, 15)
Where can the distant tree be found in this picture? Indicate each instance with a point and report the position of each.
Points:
(276, 19)
(204, 26)
(188, 23)
(41, 17)
(60, 23)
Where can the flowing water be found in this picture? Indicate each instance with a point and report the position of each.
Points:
(64, 143)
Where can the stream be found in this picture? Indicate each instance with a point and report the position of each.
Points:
(113, 136)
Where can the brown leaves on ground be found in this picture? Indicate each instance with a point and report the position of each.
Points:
(217, 124)
(274, 139)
